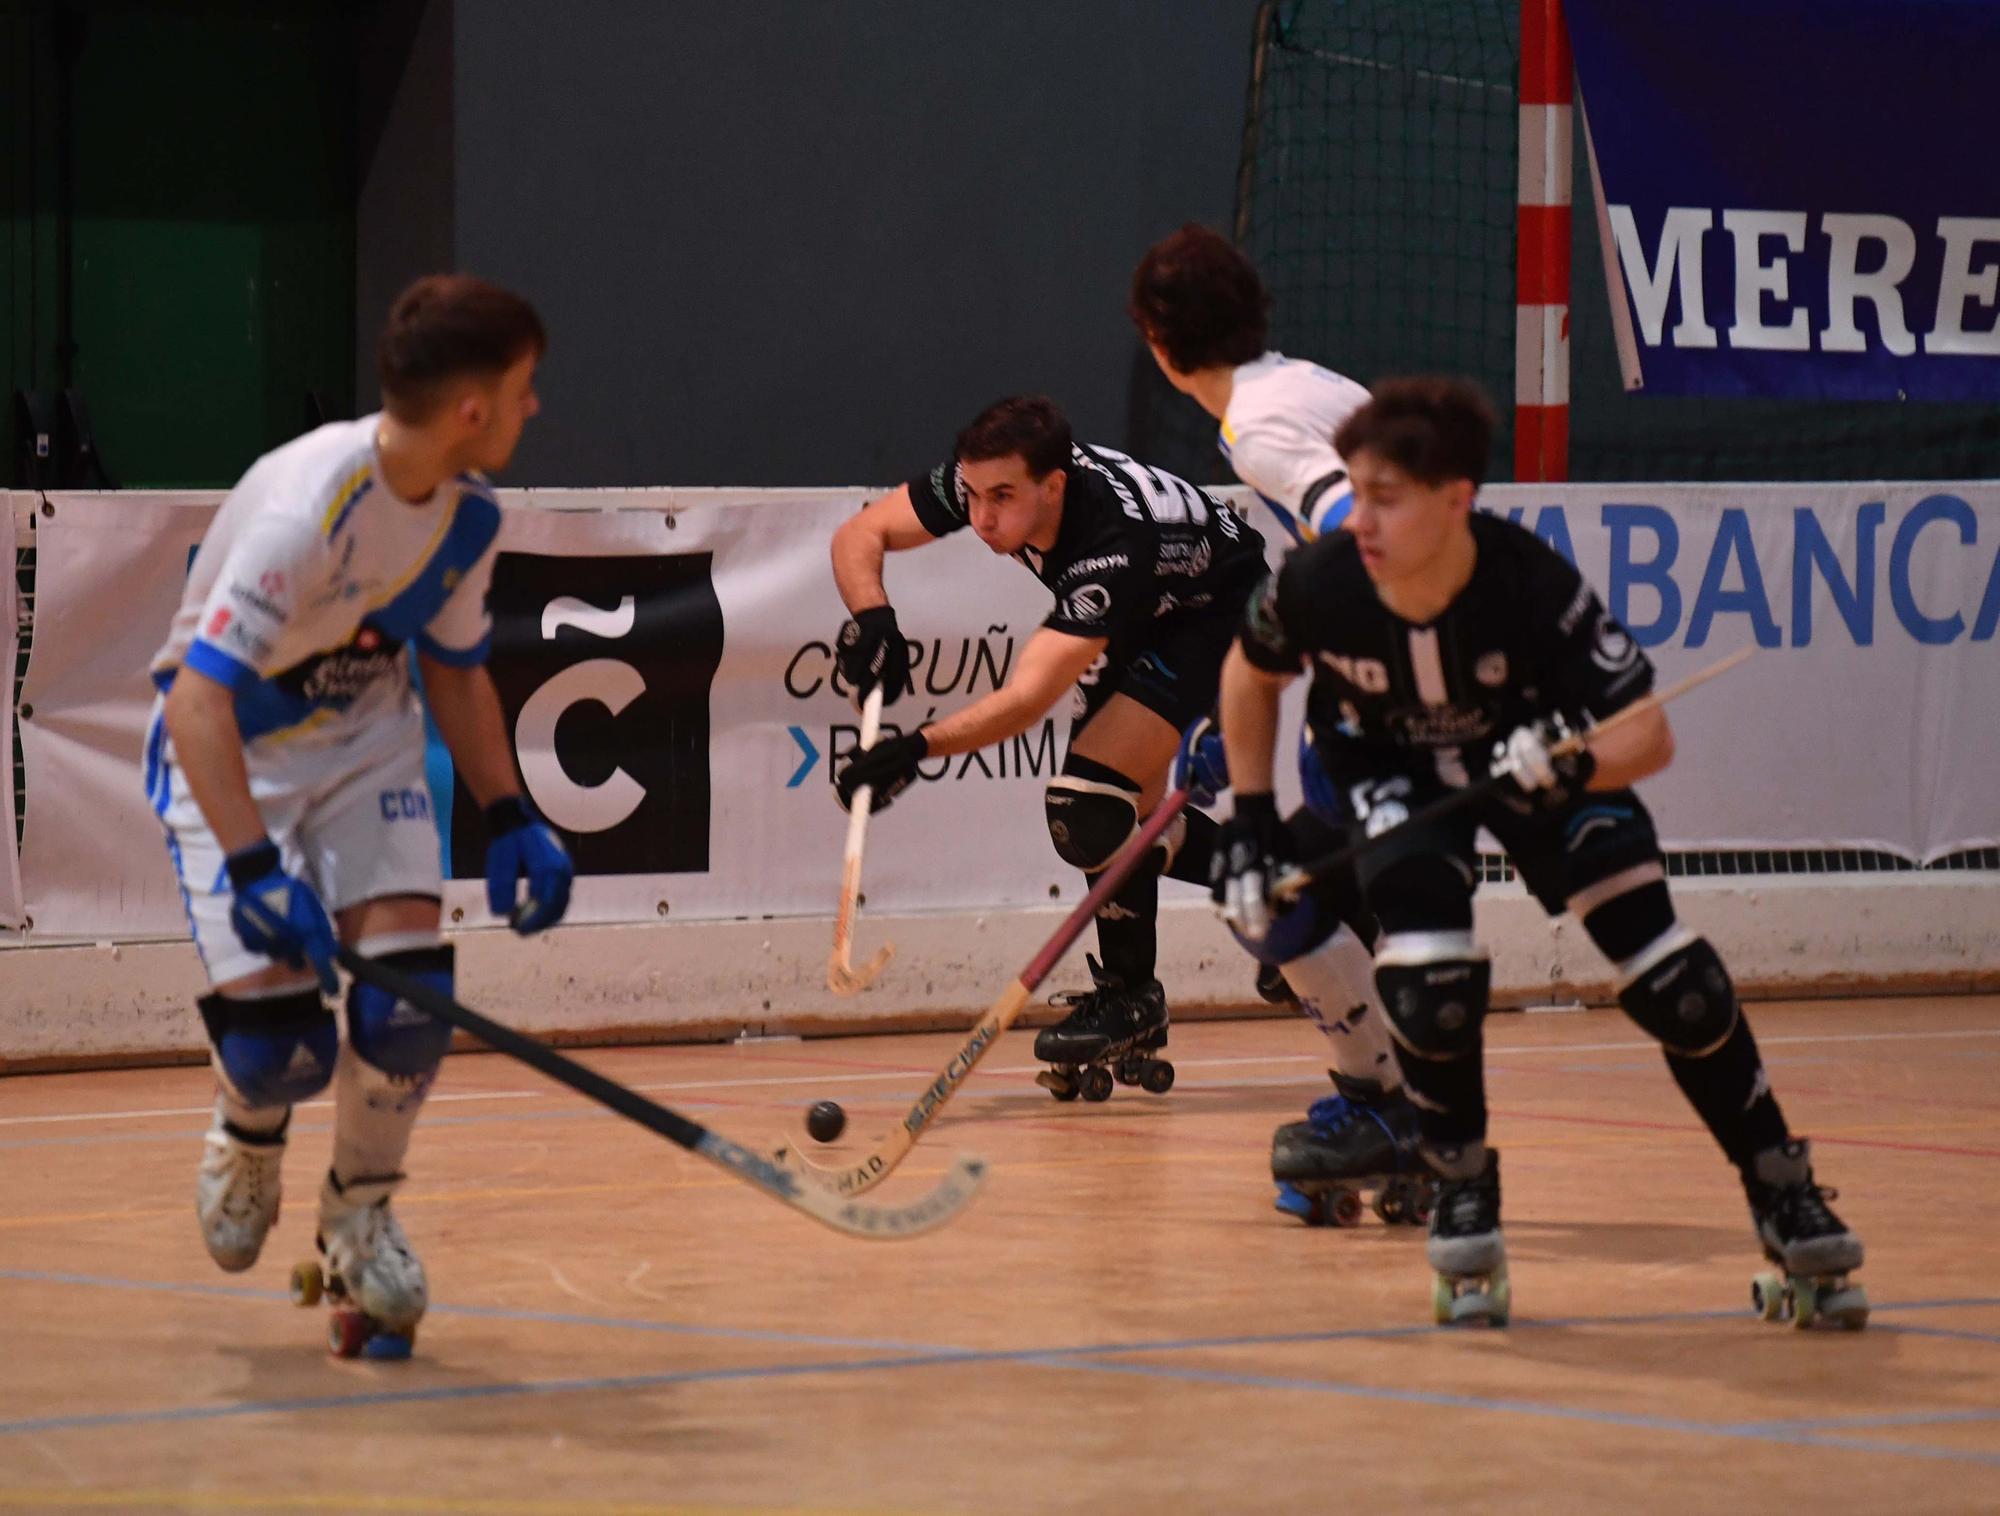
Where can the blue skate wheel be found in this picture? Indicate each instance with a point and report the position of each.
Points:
(388, 1347)
(1296, 1202)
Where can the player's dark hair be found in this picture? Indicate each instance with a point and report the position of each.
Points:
(1433, 428)
(1029, 425)
(446, 327)
(1200, 299)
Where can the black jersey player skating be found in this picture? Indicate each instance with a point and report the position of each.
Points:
(1449, 648)
(1149, 577)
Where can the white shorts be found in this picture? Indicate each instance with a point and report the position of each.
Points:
(353, 819)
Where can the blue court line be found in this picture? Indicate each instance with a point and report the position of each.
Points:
(1081, 1358)
(1863, 1423)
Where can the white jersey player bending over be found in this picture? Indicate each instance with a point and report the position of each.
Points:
(286, 760)
(1204, 313)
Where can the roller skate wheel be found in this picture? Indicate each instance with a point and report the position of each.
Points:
(389, 1347)
(347, 1333)
(1805, 1303)
(1767, 1296)
(1389, 1204)
(1344, 1207)
(308, 1284)
(1129, 1070)
(1846, 1306)
(1501, 1303)
(1095, 1084)
(1442, 1297)
(1157, 1077)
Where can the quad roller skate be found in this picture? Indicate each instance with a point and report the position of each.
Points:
(237, 1190)
(1109, 1036)
(1358, 1141)
(1468, 1252)
(366, 1272)
(1813, 1249)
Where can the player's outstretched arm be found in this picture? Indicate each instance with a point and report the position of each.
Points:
(1634, 750)
(1049, 665)
(1249, 704)
(861, 542)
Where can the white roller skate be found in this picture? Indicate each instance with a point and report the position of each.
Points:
(237, 1191)
(1801, 1235)
(1467, 1250)
(366, 1271)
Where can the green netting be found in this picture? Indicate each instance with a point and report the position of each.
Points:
(1378, 184)
(1377, 195)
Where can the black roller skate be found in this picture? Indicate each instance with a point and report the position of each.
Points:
(1810, 1245)
(1108, 1036)
(1467, 1250)
(1273, 988)
(1358, 1141)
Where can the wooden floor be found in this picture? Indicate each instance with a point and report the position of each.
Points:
(1120, 1324)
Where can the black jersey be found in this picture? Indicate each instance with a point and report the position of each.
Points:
(1135, 544)
(1526, 637)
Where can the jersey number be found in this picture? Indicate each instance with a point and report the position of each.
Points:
(1169, 501)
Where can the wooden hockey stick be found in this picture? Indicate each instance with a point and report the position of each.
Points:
(1299, 879)
(855, 1218)
(890, 1150)
(842, 977)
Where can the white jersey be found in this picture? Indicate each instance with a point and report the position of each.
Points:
(1277, 433)
(313, 580)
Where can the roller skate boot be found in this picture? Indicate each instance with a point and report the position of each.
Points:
(1812, 1248)
(1359, 1141)
(366, 1271)
(1466, 1248)
(237, 1191)
(1109, 1036)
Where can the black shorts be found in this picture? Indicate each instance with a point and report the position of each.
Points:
(1177, 672)
(1556, 852)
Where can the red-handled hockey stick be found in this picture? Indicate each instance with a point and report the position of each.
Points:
(856, 1218)
(881, 1160)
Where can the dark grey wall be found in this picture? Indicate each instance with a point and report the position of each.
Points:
(804, 241)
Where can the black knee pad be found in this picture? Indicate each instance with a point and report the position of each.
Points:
(1091, 815)
(275, 1051)
(1683, 996)
(1429, 892)
(1435, 993)
(388, 1032)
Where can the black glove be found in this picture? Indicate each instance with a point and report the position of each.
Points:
(1250, 852)
(1537, 778)
(870, 651)
(886, 768)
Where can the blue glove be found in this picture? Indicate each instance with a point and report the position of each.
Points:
(1201, 767)
(522, 845)
(279, 916)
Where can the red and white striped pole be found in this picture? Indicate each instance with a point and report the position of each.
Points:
(1541, 280)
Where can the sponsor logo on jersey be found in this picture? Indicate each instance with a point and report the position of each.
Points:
(1573, 613)
(340, 677)
(255, 599)
(1491, 670)
(271, 582)
(1443, 725)
(1368, 675)
(1189, 558)
(1102, 563)
(1088, 603)
(218, 621)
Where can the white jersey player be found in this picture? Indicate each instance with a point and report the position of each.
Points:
(1204, 313)
(285, 759)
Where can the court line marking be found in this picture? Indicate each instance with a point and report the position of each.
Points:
(1086, 1359)
(823, 1080)
(398, 1505)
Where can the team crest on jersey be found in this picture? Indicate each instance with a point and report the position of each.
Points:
(1491, 670)
(1614, 649)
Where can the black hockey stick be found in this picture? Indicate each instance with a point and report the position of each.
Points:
(1295, 881)
(854, 1217)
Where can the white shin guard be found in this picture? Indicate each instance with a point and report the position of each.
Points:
(1335, 984)
(374, 1114)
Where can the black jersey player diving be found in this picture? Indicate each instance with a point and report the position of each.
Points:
(1150, 577)
(1448, 647)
